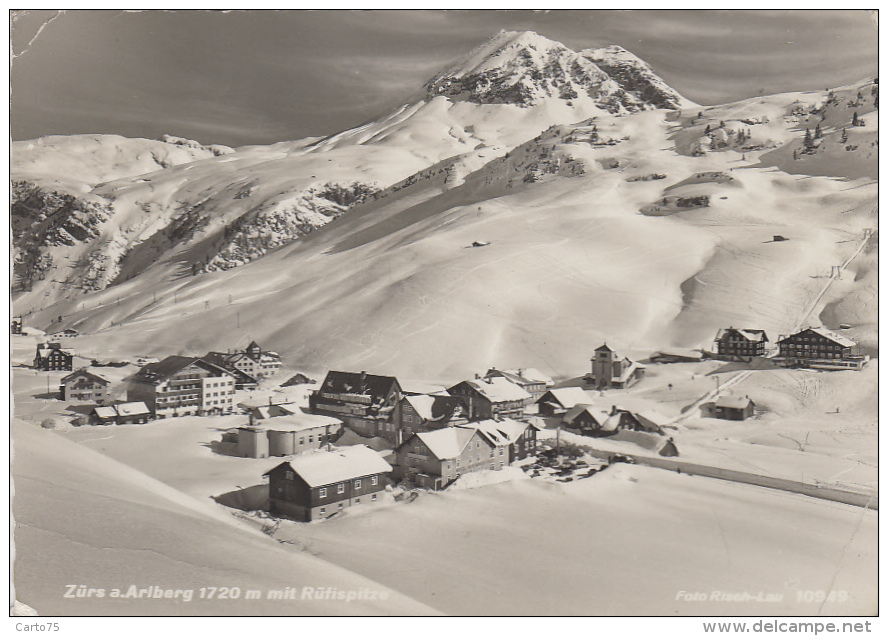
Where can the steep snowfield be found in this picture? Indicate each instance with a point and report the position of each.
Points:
(84, 519)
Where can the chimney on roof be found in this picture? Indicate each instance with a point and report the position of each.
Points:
(477, 376)
(613, 409)
(363, 386)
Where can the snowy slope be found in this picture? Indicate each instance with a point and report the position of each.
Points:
(648, 229)
(94, 522)
(94, 159)
(210, 212)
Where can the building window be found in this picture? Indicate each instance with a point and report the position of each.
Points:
(301, 441)
(310, 438)
(339, 507)
(374, 481)
(290, 476)
(357, 484)
(323, 511)
(357, 501)
(340, 488)
(322, 493)
(373, 497)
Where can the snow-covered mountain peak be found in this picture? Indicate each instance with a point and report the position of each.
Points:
(525, 68)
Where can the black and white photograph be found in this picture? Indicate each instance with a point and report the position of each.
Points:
(431, 312)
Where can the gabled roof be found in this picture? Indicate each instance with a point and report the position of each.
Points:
(377, 386)
(532, 374)
(323, 467)
(132, 408)
(831, 335)
(105, 412)
(652, 421)
(498, 389)
(434, 408)
(446, 443)
(566, 397)
(224, 362)
(87, 374)
(598, 415)
(752, 335)
(47, 351)
(126, 408)
(299, 421)
(272, 411)
(419, 387)
(604, 347)
(499, 432)
(166, 367)
(730, 402)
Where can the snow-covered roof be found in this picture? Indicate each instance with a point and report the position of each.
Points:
(322, 467)
(752, 335)
(85, 373)
(435, 408)
(126, 408)
(568, 396)
(299, 422)
(731, 402)
(271, 411)
(521, 377)
(629, 370)
(831, 335)
(447, 443)
(422, 404)
(132, 408)
(690, 354)
(657, 419)
(597, 414)
(535, 375)
(498, 390)
(500, 432)
(419, 387)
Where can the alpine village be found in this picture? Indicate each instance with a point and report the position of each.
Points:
(358, 438)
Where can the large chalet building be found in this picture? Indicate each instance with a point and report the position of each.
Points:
(741, 343)
(820, 348)
(84, 386)
(179, 385)
(365, 402)
(318, 484)
(487, 398)
(610, 370)
(51, 357)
